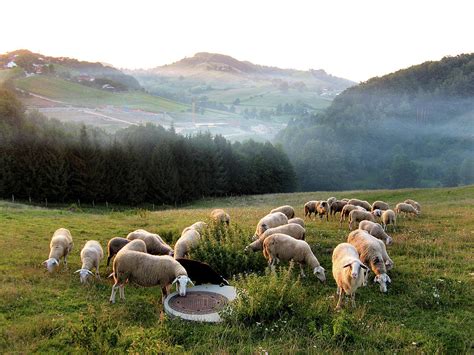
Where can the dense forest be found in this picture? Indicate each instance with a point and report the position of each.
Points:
(43, 159)
(411, 128)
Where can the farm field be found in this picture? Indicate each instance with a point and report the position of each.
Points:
(428, 307)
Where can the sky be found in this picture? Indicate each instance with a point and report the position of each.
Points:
(356, 40)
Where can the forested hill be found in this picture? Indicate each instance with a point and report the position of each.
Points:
(414, 127)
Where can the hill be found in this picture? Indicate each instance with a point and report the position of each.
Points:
(428, 307)
(413, 127)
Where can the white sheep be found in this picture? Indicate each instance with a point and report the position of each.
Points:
(148, 270)
(135, 245)
(155, 245)
(389, 217)
(363, 204)
(198, 226)
(297, 220)
(346, 210)
(220, 216)
(376, 230)
(380, 205)
(189, 239)
(91, 255)
(348, 271)
(285, 248)
(415, 204)
(292, 229)
(371, 253)
(271, 220)
(356, 216)
(60, 246)
(406, 208)
(286, 210)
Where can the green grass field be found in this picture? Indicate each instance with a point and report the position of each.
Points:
(428, 309)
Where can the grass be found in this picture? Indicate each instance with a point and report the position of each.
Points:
(428, 309)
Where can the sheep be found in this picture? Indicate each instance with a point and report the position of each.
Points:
(415, 204)
(356, 216)
(286, 210)
(336, 207)
(220, 216)
(291, 229)
(371, 252)
(198, 226)
(376, 230)
(297, 220)
(348, 271)
(322, 208)
(202, 273)
(380, 205)
(346, 210)
(270, 221)
(389, 217)
(363, 204)
(283, 247)
(310, 207)
(91, 255)
(330, 201)
(154, 244)
(405, 208)
(114, 245)
(148, 270)
(345, 199)
(135, 245)
(189, 239)
(60, 246)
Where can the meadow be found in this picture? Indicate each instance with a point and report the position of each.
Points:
(428, 308)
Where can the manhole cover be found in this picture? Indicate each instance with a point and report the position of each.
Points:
(200, 302)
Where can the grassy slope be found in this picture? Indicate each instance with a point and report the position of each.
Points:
(6, 74)
(433, 255)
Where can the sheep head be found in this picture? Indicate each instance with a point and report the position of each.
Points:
(181, 281)
(383, 279)
(389, 240)
(51, 264)
(355, 269)
(320, 273)
(83, 274)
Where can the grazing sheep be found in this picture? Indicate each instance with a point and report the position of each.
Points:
(270, 221)
(198, 226)
(91, 255)
(202, 273)
(348, 271)
(283, 247)
(154, 244)
(380, 205)
(297, 220)
(336, 207)
(220, 216)
(135, 245)
(389, 217)
(346, 210)
(371, 252)
(114, 245)
(310, 207)
(287, 210)
(148, 271)
(345, 199)
(363, 204)
(189, 239)
(330, 200)
(60, 246)
(405, 208)
(375, 230)
(415, 204)
(291, 229)
(356, 216)
(322, 208)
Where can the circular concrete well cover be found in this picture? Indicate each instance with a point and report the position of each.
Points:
(201, 303)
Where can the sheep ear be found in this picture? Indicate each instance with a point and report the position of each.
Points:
(388, 279)
(77, 271)
(90, 272)
(189, 280)
(175, 280)
(363, 266)
(347, 265)
(44, 263)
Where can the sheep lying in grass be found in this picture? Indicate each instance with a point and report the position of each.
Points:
(322, 208)
(270, 221)
(283, 247)
(346, 210)
(389, 217)
(202, 273)
(291, 229)
(363, 204)
(113, 247)
(297, 220)
(348, 271)
(406, 209)
(60, 246)
(336, 207)
(380, 205)
(356, 216)
(220, 216)
(376, 230)
(91, 255)
(287, 210)
(415, 204)
(310, 207)
(148, 271)
(371, 252)
(154, 244)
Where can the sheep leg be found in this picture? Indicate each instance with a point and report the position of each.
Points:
(353, 300)
(122, 292)
(65, 261)
(302, 271)
(164, 294)
(112, 295)
(341, 299)
(338, 291)
(108, 260)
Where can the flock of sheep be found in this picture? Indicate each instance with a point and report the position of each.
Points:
(146, 259)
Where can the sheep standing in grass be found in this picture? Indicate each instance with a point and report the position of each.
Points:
(356, 216)
(310, 207)
(91, 255)
(287, 210)
(270, 221)
(415, 204)
(363, 204)
(371, 253)
(406, 209)
(154, 244)
(285, 248)
(291, 229)
(189, 239)
(135, 245)
(322, 208)
(197, 226)
(60, 246)
(336, 207)
(113, 247)
(389, 217)
(148, 271)
(330, 201)
(346, 210)
(220, 216)
(380, 205)
(348, 271)
(297, 220)
(375, 230)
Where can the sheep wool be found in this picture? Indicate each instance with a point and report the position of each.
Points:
(60, 246)
(291, 229)
(356, 216)
(113, 247)
(297, 220)
(220, 216)
(380, 205)
(91, 256)
(363, 204)
(189, 239)
(406, 209)
(155, 245)
(375, 230)
(271, 220)
(287, 210)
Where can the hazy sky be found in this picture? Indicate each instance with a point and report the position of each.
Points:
(355, 39)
